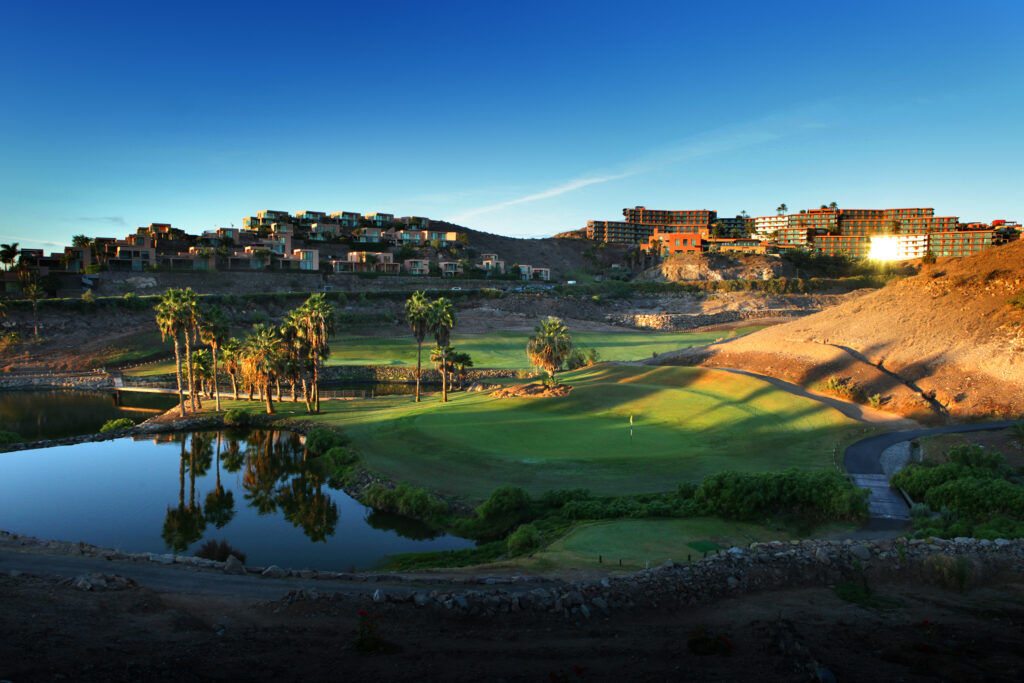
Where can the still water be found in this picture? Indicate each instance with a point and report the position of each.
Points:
(55, 413)
(173, 492)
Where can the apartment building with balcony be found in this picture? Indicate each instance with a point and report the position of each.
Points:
(669, 243)
(347, 220)
(450, 268)
(379, 219)
(416, 266)
(765, 227)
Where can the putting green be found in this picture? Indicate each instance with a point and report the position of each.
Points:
(687, 423)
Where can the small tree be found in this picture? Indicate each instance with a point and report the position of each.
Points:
(550, 346)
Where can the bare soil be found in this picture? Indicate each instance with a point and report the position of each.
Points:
(50, 630)
(944, 342)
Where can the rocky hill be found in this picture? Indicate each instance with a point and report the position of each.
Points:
(719, 267)
(946, 342)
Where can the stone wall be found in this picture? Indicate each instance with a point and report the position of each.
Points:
(240, 282)
(14, 381)
(688, 321)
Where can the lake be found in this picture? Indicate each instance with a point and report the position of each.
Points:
(55, 413)
(174, 492)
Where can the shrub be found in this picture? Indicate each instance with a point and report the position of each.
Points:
(557, 498)
(10, 437)
(843, 388)
(9, 341)
(238, 417)
(524, 539)
(88, 297)
(813, 496)
(320, 440)
(219, 551)
(978, 497)
(119, 423)
(876, 401)
(405, 500)
(341, 456)
(920, 511)
(504, 501)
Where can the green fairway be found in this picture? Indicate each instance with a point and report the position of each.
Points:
(687, 423)
(637, 542)
(496, 349)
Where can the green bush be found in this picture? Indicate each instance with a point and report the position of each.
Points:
(238, 417)
(320, 440)
(505, 501)
(10, 437)
(405, 500)
(977, 497)
(557, 498)
(119, 423)
(812, 496)
(524, 539)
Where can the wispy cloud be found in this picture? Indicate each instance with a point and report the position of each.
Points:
(112, 220)
(24, 239)
(709, 144)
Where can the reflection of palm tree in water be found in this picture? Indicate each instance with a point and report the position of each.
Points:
(220, 504)
(262, 472)
(307, 507)
(184, 525)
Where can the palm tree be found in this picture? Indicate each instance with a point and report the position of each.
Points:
(440, 321)
(317, 316)
(230, 351)
(9, 252)
(833, 205)
(220, 504)
(170, 320)
(33, 292)
(202, 369)
(190, 315)
(261, 359)
(213, 330)
(417, 313)
(461, 360)
(440, 357)
(550, 346)
(782, 209)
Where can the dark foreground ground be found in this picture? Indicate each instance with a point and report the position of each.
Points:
(50, 630)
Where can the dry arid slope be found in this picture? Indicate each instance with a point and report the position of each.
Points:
(719, 267)
(945, 341)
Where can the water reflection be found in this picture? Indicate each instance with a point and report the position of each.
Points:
(276, 476)
(56, 413)
(259, 491)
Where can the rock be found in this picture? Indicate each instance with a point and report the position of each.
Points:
(861, 552)
(379, 596)
(1000, 542)
(584, 610)
(234, 566)
(82, 583)
(600, 603)
(421, 599)
(732, 582)
(274, 572)
(461, 601)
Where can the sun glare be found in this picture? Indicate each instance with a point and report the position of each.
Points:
(884, 248)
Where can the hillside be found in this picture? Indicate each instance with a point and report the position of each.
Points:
(945, 342)
(719, 267)
(561, 255)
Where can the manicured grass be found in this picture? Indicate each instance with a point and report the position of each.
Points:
(637, 542)
(508, 349)
(687, 423)
(497, 349)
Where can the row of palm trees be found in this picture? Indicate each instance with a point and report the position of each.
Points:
(292, 352)
(436, 318)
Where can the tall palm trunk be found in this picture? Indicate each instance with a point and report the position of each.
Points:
(177, 360)
(291, 382)
(278, 381)
(216, 385)
(269, 397)
(419, 362)
(316, 386)
(234, 385)
(191, 380)
(305, 395)
(444, 376)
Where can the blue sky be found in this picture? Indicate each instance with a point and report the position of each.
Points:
(521, 118)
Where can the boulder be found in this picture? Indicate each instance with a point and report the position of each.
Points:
(234, 566)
